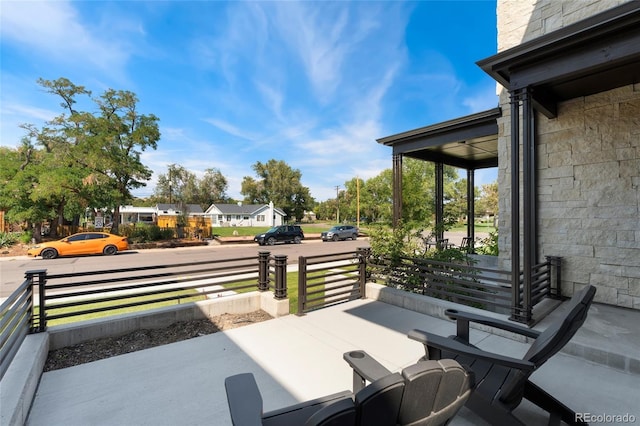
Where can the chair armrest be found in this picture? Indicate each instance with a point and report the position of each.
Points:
(244, 399)
(365, 368)
(463, 318)
(439, 343)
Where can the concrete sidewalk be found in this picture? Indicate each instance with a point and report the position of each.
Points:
(295, 359)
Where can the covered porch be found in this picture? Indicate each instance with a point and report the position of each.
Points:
(296, 358)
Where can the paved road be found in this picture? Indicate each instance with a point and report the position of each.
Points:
(12, 270)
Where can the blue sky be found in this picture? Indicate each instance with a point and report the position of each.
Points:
(311, 83)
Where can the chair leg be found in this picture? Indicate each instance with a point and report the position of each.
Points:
(555, 408)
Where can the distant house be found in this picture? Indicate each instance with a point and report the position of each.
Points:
(131, 215)
(245, 215)
(169, 215)
(164, 215)
(309, 216)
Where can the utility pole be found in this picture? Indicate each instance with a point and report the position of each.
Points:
(337, 204)
(169, 184)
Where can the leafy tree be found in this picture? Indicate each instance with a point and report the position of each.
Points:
(419, 188)
(376, 198)
(488, 200)
(20, 169)
(325, 210)
(178, 185)
(213, 188)
(456, 199)
(278, 182)
(87, 159)
(182, 186)
(119, 135)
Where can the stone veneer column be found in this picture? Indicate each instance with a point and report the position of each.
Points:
(588, 167)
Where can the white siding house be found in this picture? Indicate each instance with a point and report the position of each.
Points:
(245, 215)
(131, 214)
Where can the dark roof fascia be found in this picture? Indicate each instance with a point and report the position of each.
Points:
(584, 33)
(441, 132)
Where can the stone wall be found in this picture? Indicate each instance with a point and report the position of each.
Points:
(588, 167)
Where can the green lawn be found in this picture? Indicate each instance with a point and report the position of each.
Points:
(247, 231)
(292, 289)
(189, 296)
(192, 295)
(479, 227)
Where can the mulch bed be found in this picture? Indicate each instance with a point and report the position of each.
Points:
(98, 349)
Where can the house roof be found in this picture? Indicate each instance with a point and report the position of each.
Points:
(469, 142)
(594, 55)
(244, 209)
(190, 208)
(133, 209)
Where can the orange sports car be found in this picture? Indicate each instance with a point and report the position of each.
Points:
(81, 243)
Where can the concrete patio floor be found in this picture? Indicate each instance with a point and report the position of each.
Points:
(298, 358)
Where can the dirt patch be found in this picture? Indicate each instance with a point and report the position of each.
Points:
(14, 250)
(98, 349)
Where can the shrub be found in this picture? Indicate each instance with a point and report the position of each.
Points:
(403, 261)
(7, 239)
(394, 243)
(489, 245)
(26, 237)
(143, 233)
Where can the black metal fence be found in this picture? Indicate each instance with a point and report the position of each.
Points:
(323, 281)
(463, 282)
(109, 292)
(326, 280)
(15, 322)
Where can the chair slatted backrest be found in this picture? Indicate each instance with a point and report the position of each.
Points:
(379, 402)
(434, 392)
(340, 413)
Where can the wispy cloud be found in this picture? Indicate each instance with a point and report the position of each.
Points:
(27, 112)
(310, 83)
(56, 30)
(231, 129)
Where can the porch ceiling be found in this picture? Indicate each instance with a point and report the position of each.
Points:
(596, 54)
(469, 142)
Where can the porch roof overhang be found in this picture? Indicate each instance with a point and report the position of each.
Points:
(469, 142)
(594, 55)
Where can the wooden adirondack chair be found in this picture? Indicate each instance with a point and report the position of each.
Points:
(502, 381)
(427, 393)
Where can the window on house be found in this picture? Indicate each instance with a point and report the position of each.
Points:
(260, 218)
(146, 218)
(245, 217)
(228, 218)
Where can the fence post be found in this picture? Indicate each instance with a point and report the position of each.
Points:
(302, 284)
(281, 276)
(42, 281)
(263, 270)
(363, 254)
(555, 276)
